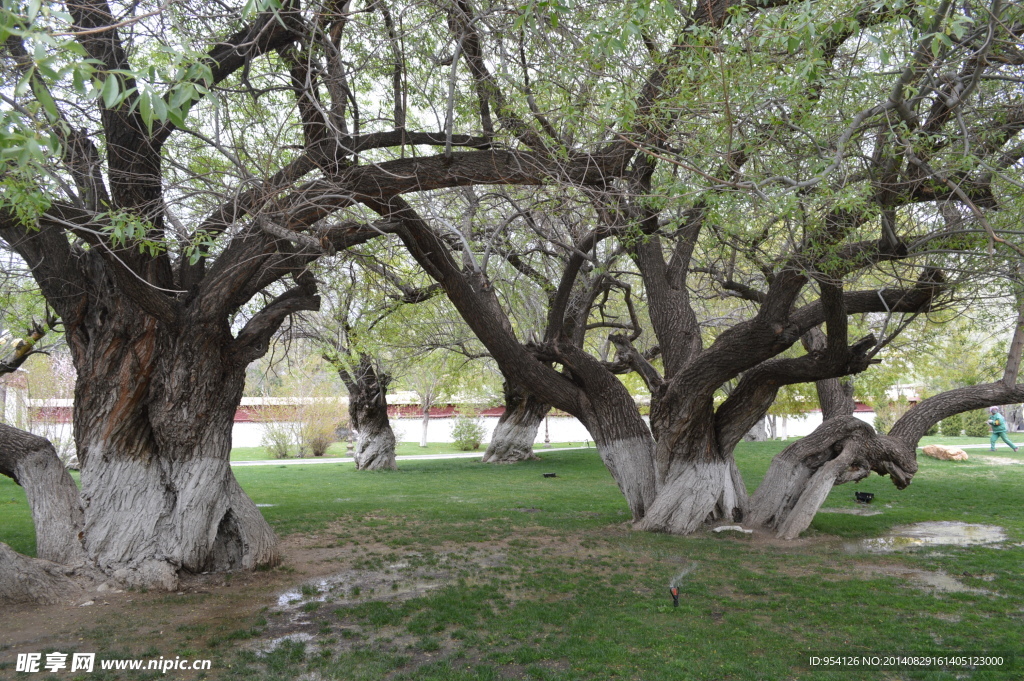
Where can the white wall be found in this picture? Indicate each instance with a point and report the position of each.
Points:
(560, 429)
(801, 426)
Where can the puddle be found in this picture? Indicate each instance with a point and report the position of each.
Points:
(938, 533)
(300, 616)
(939, 582)
(272, 645)
(850, 511)
(399, 580)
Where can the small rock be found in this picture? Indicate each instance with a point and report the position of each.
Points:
(82, 605)
(945, 453)
(103, 587)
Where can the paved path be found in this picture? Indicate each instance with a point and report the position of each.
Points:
(473, 455)
(408, 457)
(1001, 447)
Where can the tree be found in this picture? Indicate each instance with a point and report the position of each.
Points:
(153, 190)
(53, 498)
(878, 209)
(434, 378)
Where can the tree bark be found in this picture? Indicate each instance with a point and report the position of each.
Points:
(368, 412)
(33, 580)
(698, 481)
(424, 424)
(513, 437)
(759, 433)
(52, 495)
(154, 408)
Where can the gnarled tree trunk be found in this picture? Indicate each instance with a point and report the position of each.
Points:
(513, 437)
(154, 408)
(842, 449)
(368, 411)
(698, 481)
(57, 514)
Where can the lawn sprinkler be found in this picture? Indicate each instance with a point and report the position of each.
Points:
(673, 586)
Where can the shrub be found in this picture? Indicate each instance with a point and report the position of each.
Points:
(277, 438)
(318, 420)
(953, 425)
(976, 423)
(468, 432)
(886, 415)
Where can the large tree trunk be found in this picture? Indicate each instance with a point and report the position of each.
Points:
(57, 515)
(368, 411)
(698, 481)
(759, 433)
(154, 408)
(52, 495)
(513, 437)
(621, 436)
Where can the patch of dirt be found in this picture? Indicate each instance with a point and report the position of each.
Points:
(998, 460)
(263, 609)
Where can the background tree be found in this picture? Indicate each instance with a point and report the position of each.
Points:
(844, 200)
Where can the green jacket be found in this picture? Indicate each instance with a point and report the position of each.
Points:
(998, 423)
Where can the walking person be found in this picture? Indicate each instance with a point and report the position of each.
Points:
(998, 425)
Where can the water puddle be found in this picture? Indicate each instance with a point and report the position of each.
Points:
(402, 579)
(939, 582)
(936, 533)
(272, 645)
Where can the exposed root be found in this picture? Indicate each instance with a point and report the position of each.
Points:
(33, 580)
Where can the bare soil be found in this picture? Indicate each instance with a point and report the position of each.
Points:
(280, 604)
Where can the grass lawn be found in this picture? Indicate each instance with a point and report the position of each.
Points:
(542, 578)
(339, 449)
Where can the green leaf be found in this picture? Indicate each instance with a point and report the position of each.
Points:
(159, 109)
(146, 109)
(110, 91)
(177, 117)
(44, 98)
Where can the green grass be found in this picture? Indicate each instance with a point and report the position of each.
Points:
(577, 595)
